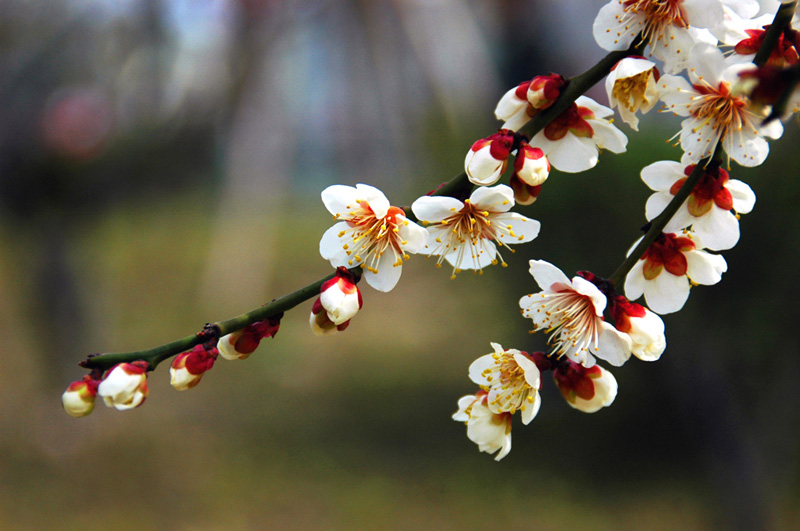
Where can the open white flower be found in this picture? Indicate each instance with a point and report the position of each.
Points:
(572, 312)
(667, 269)
(716, 110)
(572, 142)
(670, 27)
(631, 86)
(490, 431)
(512, 379)
(711, 209)
(467, 233)
(371, 233)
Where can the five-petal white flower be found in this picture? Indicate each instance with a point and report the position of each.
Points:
(669, 27)
(667, 269)
(572, 142)
(716, 111)
(490, 431)
(711, 210)
(512, 379)
(572, 312)
(464, 233)
(371, 233)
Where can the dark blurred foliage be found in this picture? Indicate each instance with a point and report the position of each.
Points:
(160, 167)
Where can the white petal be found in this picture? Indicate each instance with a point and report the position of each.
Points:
(435, 208)
(530, 370)
(744, 199)
(611, 30)
(705, 268)
(387, 276)
(477, 367)
(703, 13)
(547, 275)
(586, 288)
(660, 176)
(525, 229)
(377, 201)
(571, 154)
(475, 256)
(498, 198)
(676, 93)
(607, 136)
(719, 229)
(667, 293)
(748, 150)
(338, 197)
(635, 281)
(531, 409)
(331, 246)
(614, 346)
(414, 237)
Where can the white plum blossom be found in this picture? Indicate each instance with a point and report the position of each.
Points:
(490, 431)
(338, 302)
(78, 399)
(572, 312)
(572, 141)
(371, 233)
(512, 380)
(645, 328)
(188, 368)
(667, 269)
(712, 209)
(520, 104)
(586, 389)
(340, 296)
(514, 109)
(125, 385)
(717, 111)
(670, 27)
(487, 159)
(240, 344)
(467, 233)
(531, 166)
(631, 86)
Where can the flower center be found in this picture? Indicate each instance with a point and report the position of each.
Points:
(571, 120)
(508, 376)
(667, 252)
(718, 108)
(631, 91)
(658, 15)
(573, 321)
(469, 230)
(708, 192)
(373, 236)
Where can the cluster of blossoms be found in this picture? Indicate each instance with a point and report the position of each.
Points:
(728, 104)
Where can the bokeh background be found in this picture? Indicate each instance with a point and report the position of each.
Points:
(160, 167)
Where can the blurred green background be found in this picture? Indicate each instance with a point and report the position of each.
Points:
(160, 167)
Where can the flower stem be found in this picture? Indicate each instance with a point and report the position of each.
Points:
(214, 331)
(782, 19)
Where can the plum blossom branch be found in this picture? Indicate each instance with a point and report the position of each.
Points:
(577, 86)
(211, 331)
(656, 226)
(782, 19)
